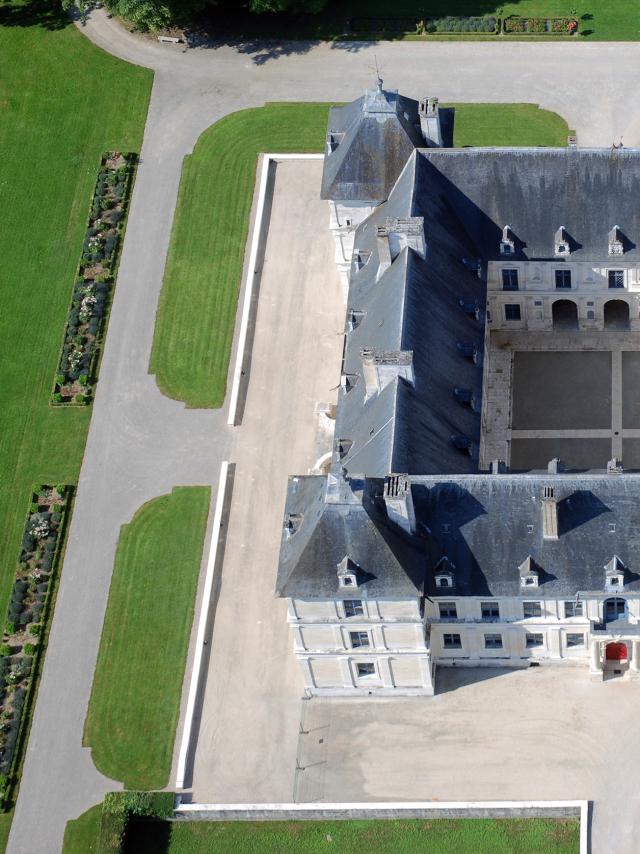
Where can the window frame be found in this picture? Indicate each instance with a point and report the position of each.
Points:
(372, 674)
(615, 276)
(513, 308)
(562, 276)
(487, 606)
(573, 605)
(352, 603)
(359, 634)
(534, 640)
(493, 640)
(534, 616)
(574, 645)
(444, 607)
(510, 279)
(452, 643)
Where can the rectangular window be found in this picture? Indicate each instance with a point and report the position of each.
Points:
(448, 609)
(573, 609)
(616, 278)
(493, 641)
(563, 279)
(365, 668)
(509, 280)
(512, 311)
(451, 641)
(490, 610)
(534, 639)
(353, 608)
(359, 639)
(575, 640)
(531, 609)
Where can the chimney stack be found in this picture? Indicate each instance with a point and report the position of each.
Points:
(549, 514)
(430, 124)
(399, 502)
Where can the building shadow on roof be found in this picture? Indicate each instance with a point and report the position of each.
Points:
(578, 508)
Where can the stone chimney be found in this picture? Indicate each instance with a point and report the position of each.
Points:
(549, 514)
(498, 467)
(399, 502)
(555, 466)
(430, 124)
(614, 466)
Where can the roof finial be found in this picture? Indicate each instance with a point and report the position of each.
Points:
(378, 78)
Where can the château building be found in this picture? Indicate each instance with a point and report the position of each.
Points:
(480, 504)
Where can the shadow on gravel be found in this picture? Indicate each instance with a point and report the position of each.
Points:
(37, 13)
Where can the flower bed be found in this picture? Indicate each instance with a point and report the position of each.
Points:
(77, 368)
(26, 621)
(464, 25)
(541, 26)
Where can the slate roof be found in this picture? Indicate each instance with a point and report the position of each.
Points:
(485, 525)
(536, 191)
(377, 134)
(414, 306)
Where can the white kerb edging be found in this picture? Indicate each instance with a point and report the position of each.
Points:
(394, 806)
(202, 626)
(256, 237)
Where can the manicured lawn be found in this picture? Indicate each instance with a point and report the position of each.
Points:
(463, 836)
(598, 19)
(62, 102)
(81, 835)
(196, 315)
(135, 698)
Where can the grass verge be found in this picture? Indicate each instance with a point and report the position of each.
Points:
(135, 699)
(81, 834)
(197, 309)
(440, 836)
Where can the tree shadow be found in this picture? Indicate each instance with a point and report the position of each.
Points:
(47, 14)
(147, 836)
(260, 50)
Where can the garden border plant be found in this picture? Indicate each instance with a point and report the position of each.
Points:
(469, 25)
(26, 629)
(517, 25)
(79, 359)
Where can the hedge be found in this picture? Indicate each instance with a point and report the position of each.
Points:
(78, 363)
(20, 650)
(119, 807)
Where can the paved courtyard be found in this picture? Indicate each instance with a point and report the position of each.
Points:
(488, 734)
(248, 731)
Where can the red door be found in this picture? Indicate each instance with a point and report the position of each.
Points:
(617, 652)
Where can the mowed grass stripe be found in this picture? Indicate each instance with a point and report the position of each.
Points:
(135, 699)
(197, 309)
(62, 103)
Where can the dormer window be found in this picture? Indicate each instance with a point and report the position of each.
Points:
(292, 523)
(354, 319)
(507, 244)
(333, 141)
(348, 381)
(528, 573)
(342, 447)
(561, 243)
(360, 258)
(614, 574)
(347, 573)
(616, 245)
(444, 574)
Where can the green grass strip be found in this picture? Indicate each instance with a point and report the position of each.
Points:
(417, 836)
(134, 706)
(81, 834)
(197, 310)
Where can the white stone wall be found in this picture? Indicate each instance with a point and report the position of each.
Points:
(537, 292)
(396, 649)
(344, 218)
(513, 628)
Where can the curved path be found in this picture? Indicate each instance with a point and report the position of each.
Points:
(140, 443)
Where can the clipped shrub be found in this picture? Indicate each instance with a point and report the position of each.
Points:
(34, 629)
(10, 627)
(29, 649)
(5, 650)
(57, 397)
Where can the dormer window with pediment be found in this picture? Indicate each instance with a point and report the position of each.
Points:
(616, 245)
(445, 574)
(348, 573)
(562, 246)
(614, 574)
(529, 573)
(507, 244)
